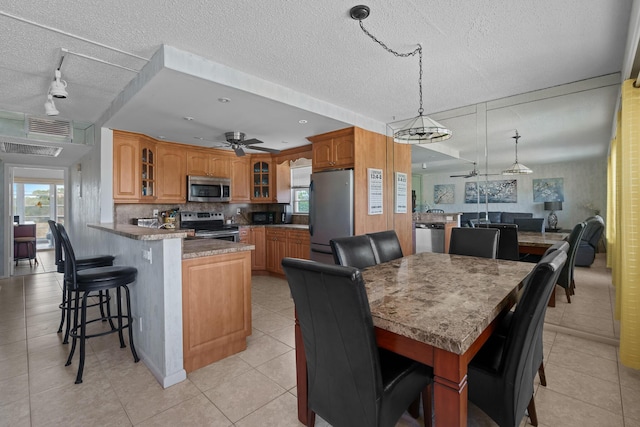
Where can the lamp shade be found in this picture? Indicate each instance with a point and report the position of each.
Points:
(552, 206)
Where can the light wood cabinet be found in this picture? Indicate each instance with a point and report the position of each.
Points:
(255, 236)
(216, 307)
(333, 150)
(298, 244)
(276, 241)
(172, 176)
(126, 167)
(262, 177)
(208, 163)
(240, 187)
(283, 182)
(148, 169)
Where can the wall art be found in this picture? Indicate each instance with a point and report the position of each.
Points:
(443, 194)
(548, 190)
(502, 191)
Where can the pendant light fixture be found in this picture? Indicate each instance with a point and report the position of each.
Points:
(517, 168)
(420, 129)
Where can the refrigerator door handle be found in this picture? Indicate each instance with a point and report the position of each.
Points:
(311, 208)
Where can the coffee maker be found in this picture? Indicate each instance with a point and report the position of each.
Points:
(285, 215)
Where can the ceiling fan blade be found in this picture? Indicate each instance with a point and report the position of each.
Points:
(239, 151)
(251, 141)
(268, 150)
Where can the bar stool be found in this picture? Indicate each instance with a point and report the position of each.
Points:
(82, 263)
(30, 243)
(81, 283)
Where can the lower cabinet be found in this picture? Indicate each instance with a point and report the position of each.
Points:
(216, 307)
(255, 236)
(283, 242)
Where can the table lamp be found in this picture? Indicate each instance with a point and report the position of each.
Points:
(552, 221)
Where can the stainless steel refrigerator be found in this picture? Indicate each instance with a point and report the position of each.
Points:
(330, 211)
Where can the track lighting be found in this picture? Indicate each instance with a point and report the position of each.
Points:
(58, 87)
(50, 107)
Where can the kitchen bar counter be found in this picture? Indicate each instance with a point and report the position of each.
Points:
(141, 233)
(291, 226)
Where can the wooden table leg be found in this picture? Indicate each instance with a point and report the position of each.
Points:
(301, 374)
(449, 389)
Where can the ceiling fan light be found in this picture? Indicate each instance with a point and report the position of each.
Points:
(421, 130)
(50, 107)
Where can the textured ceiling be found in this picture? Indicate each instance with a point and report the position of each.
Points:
(474, 52)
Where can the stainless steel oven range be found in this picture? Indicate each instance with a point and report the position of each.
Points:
(209, 225)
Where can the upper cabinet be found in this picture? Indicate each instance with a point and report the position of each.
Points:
(126, 167)
(333, 150)
(148, 164)
(208, 163)
(262, 178)
(240, 173)
(171, 182)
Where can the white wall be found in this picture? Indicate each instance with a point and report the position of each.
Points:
(584, 183)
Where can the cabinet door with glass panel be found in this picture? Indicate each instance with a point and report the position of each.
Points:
(148, 168)
(262, 178)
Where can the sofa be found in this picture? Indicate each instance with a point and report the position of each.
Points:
(494, 217)
(588, 245)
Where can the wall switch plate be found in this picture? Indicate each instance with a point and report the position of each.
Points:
(141, 324)
(238, 211)
(155, 213)
(146, 254)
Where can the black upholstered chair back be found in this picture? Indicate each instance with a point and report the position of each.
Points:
(343, 365)
(480, 242)
(566, 275)
(504, 386)
(353, 251)
(530, 224)
(560, 246)
(386, 246)
(57, 245)
(508, 241)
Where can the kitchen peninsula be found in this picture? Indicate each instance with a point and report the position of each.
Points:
(191, 302)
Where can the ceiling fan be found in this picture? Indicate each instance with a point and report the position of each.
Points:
(236, 141)
(473, 173)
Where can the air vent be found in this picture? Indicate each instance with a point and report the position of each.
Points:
(34, 150)
(57, 130)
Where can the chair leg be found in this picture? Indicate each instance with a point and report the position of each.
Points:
(73, 331)
(70, 305)
(541, 374)
(427, 397)
(108, 303)
(119, 305)
(83, 333)
(414, 408)
(311, 418)
(63, 306)
(567, 291)
(130, 325)
(533, 416)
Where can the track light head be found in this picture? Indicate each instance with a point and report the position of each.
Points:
(50, 107)
(58, 87)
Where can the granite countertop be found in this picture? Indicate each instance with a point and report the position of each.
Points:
(292, 226)
(195, 248)
(141, 233)
(442, 300)
(544, 240)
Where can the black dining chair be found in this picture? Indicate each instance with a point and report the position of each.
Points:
(351, 381)
(82, 263)
(566, 275)
(386, 246)
(480, 242)
(530, 224)
(501, 375)
(508, 241)
(353, 251)
(81, 283)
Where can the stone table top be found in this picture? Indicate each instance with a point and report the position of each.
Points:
(442, 300)
(532, 238)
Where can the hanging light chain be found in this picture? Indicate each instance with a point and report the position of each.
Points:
(417, 50)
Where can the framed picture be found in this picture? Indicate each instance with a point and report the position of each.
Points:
(502, 191)
(444, 194)
(548, 190)
(401, 192)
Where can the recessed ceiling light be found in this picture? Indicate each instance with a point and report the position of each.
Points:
(188, 118)
(285, 142)
(224, 100)
(303, 121)
(198, 137)
(161, 137)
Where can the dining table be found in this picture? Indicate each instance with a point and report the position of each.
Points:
(438, 309)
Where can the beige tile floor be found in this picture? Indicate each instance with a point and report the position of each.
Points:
(587, 386)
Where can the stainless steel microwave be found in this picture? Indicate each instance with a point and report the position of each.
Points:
(208, 189)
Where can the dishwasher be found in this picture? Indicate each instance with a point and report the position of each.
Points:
(430, 237)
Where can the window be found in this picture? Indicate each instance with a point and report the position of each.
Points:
(300, 180)
(37, 201)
